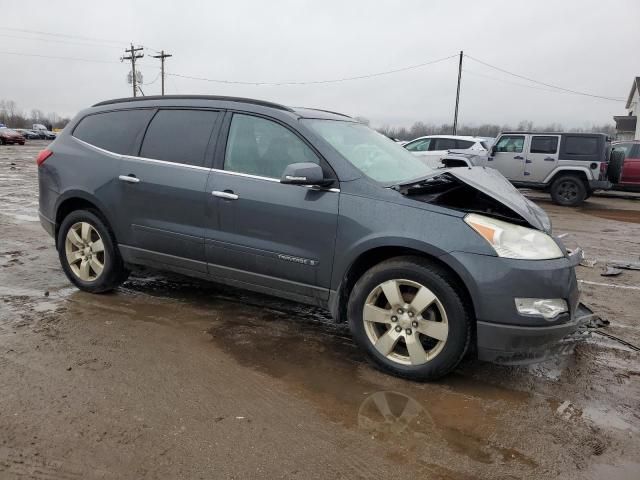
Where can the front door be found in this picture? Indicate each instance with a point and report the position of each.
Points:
(163, 189)
(542, 157)
(269, 234)
(509, 157)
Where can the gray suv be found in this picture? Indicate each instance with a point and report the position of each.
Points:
(425, 265)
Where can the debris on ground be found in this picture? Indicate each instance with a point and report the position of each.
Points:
(611, 271)
(588, 262)
(626, 265)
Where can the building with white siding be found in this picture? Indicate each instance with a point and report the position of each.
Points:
(627, 126)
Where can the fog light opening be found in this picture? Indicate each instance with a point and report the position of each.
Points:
(548, 308)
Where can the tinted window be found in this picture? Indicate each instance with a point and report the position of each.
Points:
(261, 147)
(444, 144)
(541, 144)
(625, 147)
(464, 144)
(418, 145)
(580, 145)
(510, 143)
(117, 132)
(179, 136)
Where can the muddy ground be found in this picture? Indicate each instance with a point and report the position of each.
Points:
(175, 378)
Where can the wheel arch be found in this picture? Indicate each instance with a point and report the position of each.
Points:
(73, 200)
(581, 172)
(375, 255)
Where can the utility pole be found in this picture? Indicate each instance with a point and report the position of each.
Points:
(455, 116)
(162, 56)
(133, 56)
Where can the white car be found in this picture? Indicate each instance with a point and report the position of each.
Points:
(433, 147)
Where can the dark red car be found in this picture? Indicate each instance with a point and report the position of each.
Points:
(8, 136)
(630, 178)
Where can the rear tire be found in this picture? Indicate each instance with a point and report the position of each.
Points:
(89, 254)
(568, 191)
(400, 334)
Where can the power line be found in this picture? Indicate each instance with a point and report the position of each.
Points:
(48, 40)
(21, 54)
(524, 85)
(64, 35)
(576, 92)
(315, 82)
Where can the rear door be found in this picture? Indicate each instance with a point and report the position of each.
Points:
(269, 234)
(542, 157)
(631, 166)
(509, 156)
(163, 188)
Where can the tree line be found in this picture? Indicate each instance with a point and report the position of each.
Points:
(420, 129)
(14, 117)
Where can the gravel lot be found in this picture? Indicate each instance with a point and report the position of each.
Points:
(175, 378)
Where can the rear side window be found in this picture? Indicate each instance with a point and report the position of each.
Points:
(580, 145)
(510, 143)
(179, 136)
(544, 144)
(444, 144)
(119, 131)
(257, 146)
(464, 144)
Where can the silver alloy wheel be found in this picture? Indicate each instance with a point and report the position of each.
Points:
(405, 322)
(85, 251)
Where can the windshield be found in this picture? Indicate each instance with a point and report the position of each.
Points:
(375, 155)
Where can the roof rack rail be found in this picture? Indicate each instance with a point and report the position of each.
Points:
(327, 111)
(195, 97)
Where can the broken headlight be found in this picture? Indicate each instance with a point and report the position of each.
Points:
(513, 241)
(549, 308)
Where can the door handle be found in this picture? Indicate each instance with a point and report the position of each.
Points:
(549, 159)
(129, 178)
(518, 157)
(226, 195)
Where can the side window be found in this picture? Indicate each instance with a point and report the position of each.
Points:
(543, 144)
(625, 147)
(444, 144)
(257, 146)
(575, 145)
(463, 144)
(419, 145)
(179, 136)
(510, 143)
(118, 131)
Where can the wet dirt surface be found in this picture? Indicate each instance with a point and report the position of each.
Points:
(171, 377)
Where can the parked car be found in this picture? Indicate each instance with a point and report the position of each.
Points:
(433, 147)
(48, 135)
(312, 206)
(10, 137)
(28, 134)
(570, 166)
(630, 175)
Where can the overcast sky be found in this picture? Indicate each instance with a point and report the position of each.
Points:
(588, 46)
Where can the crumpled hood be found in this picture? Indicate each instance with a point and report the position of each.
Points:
(492, 183)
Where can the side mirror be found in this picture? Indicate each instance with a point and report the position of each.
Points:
(306, 173)
(494, 149)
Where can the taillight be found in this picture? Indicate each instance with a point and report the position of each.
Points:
(603, 170)
(43, 155)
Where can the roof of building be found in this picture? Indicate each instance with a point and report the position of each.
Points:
(635, 87)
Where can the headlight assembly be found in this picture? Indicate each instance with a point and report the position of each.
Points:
(513, 241)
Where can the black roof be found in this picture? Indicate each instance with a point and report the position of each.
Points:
(262, 103)
(528, 132)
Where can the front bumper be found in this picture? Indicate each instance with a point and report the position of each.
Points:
(517, 345)
(47, 224)
(505, 335)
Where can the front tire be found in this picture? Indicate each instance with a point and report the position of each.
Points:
(88, 253)
(406, 314)
(568, 191)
